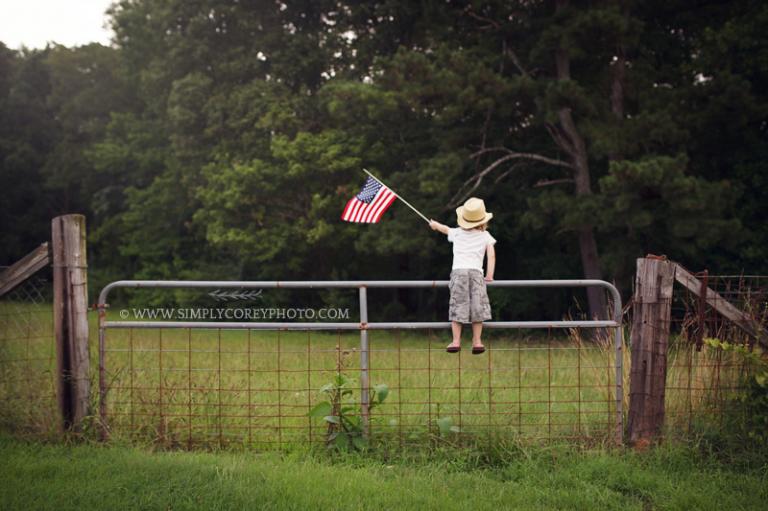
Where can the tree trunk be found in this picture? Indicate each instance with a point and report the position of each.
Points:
(571, 142)
(617, 92)
(618, 79)
(616, 153)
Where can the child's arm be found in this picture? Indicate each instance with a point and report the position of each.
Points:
(490, 253)
(437, 226)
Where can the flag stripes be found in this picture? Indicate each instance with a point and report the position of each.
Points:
(370, 204)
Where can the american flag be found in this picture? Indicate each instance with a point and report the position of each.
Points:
(368, 205)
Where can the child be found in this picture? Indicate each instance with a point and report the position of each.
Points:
(469, 299)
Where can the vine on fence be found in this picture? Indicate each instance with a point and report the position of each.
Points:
(754, 398)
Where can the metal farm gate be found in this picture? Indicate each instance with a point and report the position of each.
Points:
(213, 383)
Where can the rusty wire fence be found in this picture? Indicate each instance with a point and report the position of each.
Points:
(209, 385)
(28, 358)
(704, 382)
(191, 384)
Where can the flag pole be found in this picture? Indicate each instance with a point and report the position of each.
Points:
(396, 195)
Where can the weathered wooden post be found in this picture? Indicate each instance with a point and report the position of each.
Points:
(70, 320)
(651, 311)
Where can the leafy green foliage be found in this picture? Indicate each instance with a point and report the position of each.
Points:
(345, 421)
(750, 423)
(655, 205)
(221, 140)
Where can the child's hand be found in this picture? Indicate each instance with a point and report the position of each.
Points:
(437, 226)
(489, 278)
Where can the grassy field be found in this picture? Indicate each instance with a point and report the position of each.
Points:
(254, 389)
(258, 386)
(245, 390)
(57, 477)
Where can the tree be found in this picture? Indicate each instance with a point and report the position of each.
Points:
(86, 87)
(26, 136)
(578, 89)
(220, 139)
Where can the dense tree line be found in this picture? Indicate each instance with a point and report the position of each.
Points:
(220, 139)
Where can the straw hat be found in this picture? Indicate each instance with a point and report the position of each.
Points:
(472, 213)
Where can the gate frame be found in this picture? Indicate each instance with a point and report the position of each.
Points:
(363, 325)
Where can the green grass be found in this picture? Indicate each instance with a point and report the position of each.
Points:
(27, 368)
(57, 477)
(254, 389)
(229, 381)
(186, 387)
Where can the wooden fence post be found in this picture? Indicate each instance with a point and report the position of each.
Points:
(70, 306)
(652, 306)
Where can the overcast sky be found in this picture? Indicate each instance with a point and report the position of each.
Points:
(33, 23)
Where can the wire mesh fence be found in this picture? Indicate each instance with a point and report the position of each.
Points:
(28, 358)
(207, 383)
(214, 386)
(190, 387)
(705, 382)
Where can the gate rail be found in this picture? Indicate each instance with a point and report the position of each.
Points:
(363, 324)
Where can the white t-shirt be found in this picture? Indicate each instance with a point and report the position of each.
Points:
(469, 247)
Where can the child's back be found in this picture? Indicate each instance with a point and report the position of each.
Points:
(469, 298)
(469, 247)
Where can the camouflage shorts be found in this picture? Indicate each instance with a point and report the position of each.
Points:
(469, 299)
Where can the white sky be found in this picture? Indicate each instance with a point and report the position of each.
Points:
(33, 23)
